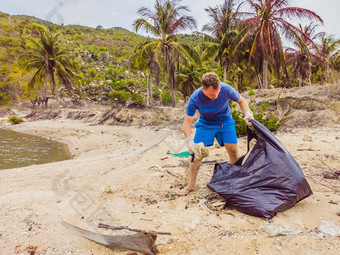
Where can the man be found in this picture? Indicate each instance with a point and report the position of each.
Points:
(211, 100)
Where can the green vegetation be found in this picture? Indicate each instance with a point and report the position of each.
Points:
(48, 61)
(137, 98)
(166, 98)
(265, 117)
(262, 115)
(118, 64)
(4, 98)
(251, 92)
(120, 96)
(163, 22)
(15, 120)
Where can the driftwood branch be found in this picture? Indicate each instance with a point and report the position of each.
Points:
(204, 162)
(283, 114)
(140, 242)
(101, 225)
(106, 116)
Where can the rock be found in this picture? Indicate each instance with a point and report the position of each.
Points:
(330, 228)
(157, 174)
(49, 251)
(163, 241)
(156, 168)
(107, 56)
(107, 189)
(281, 231)
(307, 138)
(188, 227)
(184, 162)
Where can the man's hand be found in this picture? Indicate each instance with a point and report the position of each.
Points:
(248, 116)
(190, 144)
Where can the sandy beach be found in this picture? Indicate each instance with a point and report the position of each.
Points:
(117, 176)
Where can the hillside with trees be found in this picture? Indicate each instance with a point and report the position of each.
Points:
(115, 66)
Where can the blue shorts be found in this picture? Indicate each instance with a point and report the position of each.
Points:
(224, 133)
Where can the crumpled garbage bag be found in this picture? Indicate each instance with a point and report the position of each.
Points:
(265, 181)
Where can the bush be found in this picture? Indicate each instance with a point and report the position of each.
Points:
(251, 92)
(131, 82)
(110, 70)
(118, 84)
(156, 93)
(240, 123)
(15, 120)
(266, 117)
(262, 115)
(137, 98)
(166, 97)
(4, 98)
(92, 72)
(121, 96)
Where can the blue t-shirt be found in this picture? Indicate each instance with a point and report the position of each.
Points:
(213, 112)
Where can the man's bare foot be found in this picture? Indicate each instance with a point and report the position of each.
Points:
(185, 190)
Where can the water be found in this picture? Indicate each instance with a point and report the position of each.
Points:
(18, 150)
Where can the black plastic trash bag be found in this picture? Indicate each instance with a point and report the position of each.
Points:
(268, 181)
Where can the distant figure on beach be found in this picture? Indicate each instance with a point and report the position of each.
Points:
(211, 101)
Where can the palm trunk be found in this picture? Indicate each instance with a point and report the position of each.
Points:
(265, 73)
(157, 74)
(54, 85)
(224, 72)
(147, 89)
(258, 80)
(240, 81)
(184, 99)
(225, 69)
(151, 97)
(171, 73)
(150, 88)
(172, 84)
(286, 78)
(309, 74)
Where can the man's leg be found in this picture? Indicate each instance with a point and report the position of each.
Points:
(194, 167)
(232, 151)
(205, 135)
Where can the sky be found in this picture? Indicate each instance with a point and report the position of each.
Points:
(121, 13)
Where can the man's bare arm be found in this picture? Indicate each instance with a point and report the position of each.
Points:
(248, 114)
(187, 125)
(243, 105)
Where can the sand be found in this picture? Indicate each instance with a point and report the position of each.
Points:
(117, 177)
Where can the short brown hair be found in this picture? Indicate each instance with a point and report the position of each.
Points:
(211, 79)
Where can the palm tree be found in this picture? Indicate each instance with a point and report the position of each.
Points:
(189, 79)
(267, 21)
(163, 23)
(328, 49)
(144, 59)
(48, 61)
(223, 29)
(301, 57)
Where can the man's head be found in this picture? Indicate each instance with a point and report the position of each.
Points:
(211, 85)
